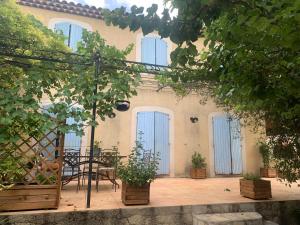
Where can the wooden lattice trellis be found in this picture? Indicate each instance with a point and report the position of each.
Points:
(40, 163)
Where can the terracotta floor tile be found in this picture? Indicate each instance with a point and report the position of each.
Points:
(172, 191)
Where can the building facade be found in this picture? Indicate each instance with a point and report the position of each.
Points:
(173, 126)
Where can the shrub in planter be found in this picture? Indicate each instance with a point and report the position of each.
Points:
(252, 186)
(136, 176)
(198, 170)
(266, 154)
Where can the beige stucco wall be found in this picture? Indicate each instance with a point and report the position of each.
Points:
(186, 137)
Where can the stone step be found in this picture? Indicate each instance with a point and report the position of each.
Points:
(267, 222)
(241, 218)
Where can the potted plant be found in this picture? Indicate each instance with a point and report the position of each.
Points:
(252, 186)
(266, 154)
(198, 170)
(136, 176)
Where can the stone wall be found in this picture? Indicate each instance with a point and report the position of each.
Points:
(174, 215)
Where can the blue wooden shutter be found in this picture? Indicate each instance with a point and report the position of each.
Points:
(221, 135)
(76, 36)
(162, 142)
(145, 130)
(72, 141)
(148, 50)
(161, 52)
(65, 29)
(236, 151)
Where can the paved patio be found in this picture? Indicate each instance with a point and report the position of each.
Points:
(173, 192)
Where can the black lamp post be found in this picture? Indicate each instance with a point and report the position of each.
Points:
(121, 105)
(97, 69)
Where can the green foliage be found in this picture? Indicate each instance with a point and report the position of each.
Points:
(138, 171)
(68, 81)
(198, 161)
(250, 65)
(251, 176)
(45, 180)
(286, 151)
(10, 170)
(266, 153)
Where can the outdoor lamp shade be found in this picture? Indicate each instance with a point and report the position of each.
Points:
(122, 105)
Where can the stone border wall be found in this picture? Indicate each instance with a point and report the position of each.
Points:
(277, 211)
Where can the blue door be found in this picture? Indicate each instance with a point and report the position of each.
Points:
(153, 131)
(227, 145)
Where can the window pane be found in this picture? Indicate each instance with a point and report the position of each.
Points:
(65, 29)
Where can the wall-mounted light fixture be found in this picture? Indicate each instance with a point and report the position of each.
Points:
(194, 119)
(122, 105)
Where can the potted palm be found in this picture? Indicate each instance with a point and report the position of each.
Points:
(266, 154)
(198, 170)
(252, 186)
(136, 176)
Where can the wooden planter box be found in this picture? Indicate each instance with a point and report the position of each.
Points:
(268, 172)
(255, 189)
(135, 195)
(28, 197)
(198, 173)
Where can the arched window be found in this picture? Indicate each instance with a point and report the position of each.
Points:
(72, 32)
(154, 51)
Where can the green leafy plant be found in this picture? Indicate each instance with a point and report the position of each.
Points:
(251, 176)
(266, 154)
(10, 170)
(43, 179)
(25, 82)
(198, 161)
(137, 171)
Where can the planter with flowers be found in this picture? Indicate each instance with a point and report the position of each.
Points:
(136, 176)
(198, 170)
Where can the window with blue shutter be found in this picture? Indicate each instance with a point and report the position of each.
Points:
(72, 33)
(76, 36)
(154, 51)
(64, 28)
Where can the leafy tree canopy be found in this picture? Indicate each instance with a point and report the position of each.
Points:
(36, 65)
(250, 65)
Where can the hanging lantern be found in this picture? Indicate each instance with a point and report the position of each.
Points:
(122, 105)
